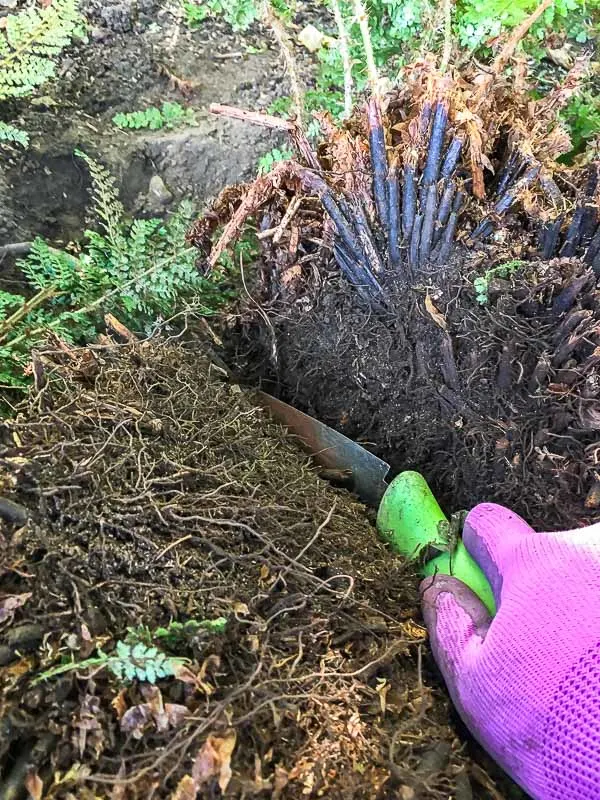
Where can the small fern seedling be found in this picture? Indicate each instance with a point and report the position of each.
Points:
(127, 663)
(169, 115)
(270, 159)
(9, 133)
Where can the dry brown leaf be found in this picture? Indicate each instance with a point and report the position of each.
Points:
(414, 631)
(185, 674)
(87, 730)
(121, 330)
(592, 499)
(185, 87)
(214, 760)
(153, 697)
(186, 789)
(354, 725)
(281, 781)
(164, 715)
(8, 605)
(435, 313)
(287, 277)
(206, 763)
(119, 704)
(176, 714)
(34, 785)
(17, 669)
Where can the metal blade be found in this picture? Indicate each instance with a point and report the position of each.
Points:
(333, 450)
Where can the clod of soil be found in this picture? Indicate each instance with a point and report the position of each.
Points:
(429, 286)
(158, 492)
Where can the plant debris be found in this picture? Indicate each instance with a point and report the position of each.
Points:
(158, 493)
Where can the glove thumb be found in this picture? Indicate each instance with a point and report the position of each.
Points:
(457, 622)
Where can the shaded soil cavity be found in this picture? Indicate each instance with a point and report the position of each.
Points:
(135, 52)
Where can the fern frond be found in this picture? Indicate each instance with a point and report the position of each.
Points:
(31, 41)
(106, 204)
(45, 266)
(9, 302)
(8, 133)
(169, 115)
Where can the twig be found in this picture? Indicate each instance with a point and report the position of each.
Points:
(253, 117)
(290, 212)
(507, 51)
(165, 550)
(283, 40)
(15, 249)
(346, 60)
(26, 308)
(363, 22)
(311, 541)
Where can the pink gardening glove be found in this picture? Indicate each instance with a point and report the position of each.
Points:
(527, 683)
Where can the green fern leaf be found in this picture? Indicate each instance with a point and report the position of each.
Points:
(169, 115)
(8, 133)
(31, 41)
(106, 204)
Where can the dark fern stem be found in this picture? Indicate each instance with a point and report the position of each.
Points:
(419, 208)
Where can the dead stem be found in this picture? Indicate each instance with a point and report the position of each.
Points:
(346, 59)
(362, 18)
(447, 49)
(253, 117)
(283, 40)
(507, 51)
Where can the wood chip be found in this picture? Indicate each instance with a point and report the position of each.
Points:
(435, 313)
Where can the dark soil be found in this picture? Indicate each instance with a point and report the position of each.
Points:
(484, 432)
(43, 190)
(158, 492)
(489, 435)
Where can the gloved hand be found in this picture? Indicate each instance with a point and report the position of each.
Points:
(526, 683)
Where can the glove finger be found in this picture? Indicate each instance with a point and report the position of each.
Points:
(457, 622)
(491, 534)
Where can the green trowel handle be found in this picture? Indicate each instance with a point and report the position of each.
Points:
(408, 518)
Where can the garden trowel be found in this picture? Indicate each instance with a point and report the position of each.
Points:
(408, 515)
